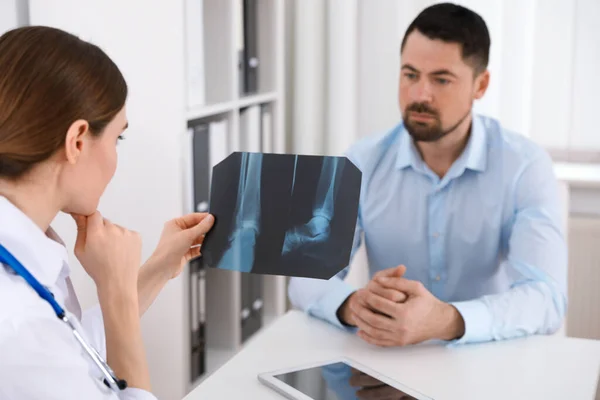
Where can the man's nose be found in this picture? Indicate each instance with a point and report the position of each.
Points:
(422, 91)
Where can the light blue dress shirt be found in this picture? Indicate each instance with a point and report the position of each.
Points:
(487, 237)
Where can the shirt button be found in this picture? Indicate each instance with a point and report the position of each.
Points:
(436, 234)
(437, 278)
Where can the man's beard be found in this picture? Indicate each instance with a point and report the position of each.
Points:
(428, 132)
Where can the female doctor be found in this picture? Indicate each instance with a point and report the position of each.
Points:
(62, 113)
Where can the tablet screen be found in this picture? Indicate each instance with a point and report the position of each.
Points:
(340, 381)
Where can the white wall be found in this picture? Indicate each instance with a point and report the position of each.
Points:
(309, 96)
(586, 79)
(13, 13)
(380, 26)
(552, 94)
(146, 42)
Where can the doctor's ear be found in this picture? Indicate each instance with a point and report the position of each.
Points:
(77, 134)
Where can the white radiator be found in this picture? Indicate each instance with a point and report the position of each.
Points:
(583, 314)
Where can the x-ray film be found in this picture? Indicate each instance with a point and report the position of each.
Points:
(282, 214)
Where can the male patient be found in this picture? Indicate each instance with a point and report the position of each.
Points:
(461, 218)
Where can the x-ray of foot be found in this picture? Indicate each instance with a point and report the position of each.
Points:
(282, 214)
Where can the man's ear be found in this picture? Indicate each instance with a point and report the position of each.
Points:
(75, 139)
(482, 82)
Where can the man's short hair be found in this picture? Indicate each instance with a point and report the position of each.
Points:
(455, 24)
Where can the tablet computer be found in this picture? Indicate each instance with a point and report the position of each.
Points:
(338, 379)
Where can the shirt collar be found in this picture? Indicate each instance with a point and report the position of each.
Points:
(474, 156)
(43, 257)
(476, 150)
(408, 155)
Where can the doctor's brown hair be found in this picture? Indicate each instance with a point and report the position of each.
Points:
(48, 80)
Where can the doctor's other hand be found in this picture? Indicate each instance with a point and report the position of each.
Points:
(109, 253)
(348, 309)
(419, 318)
(180, 242)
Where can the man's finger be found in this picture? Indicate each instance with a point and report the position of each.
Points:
(378, 303)
(361, 303)
(397, 272)
(390, 294)
(375, 324)
(407, 286)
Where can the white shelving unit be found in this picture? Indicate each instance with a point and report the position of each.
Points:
(147, 40)
(223, 100)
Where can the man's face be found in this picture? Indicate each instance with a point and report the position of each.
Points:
(437, 88)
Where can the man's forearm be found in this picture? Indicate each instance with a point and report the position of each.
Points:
(533, 308)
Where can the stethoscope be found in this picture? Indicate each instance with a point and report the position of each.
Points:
(110, 379)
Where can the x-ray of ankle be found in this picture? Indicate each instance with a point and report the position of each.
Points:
(314, 233)
(291, 215)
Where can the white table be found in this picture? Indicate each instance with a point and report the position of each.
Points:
(537, 367)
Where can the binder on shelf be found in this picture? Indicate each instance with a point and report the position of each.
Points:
(198, 342)
(250, 26)
(194, 58)
(240, 50)
(201, 165)
(251, 305)
(202, 317)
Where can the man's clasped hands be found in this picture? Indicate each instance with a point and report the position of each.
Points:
(394, 311)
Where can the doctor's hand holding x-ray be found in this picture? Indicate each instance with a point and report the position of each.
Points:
(110, 254)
